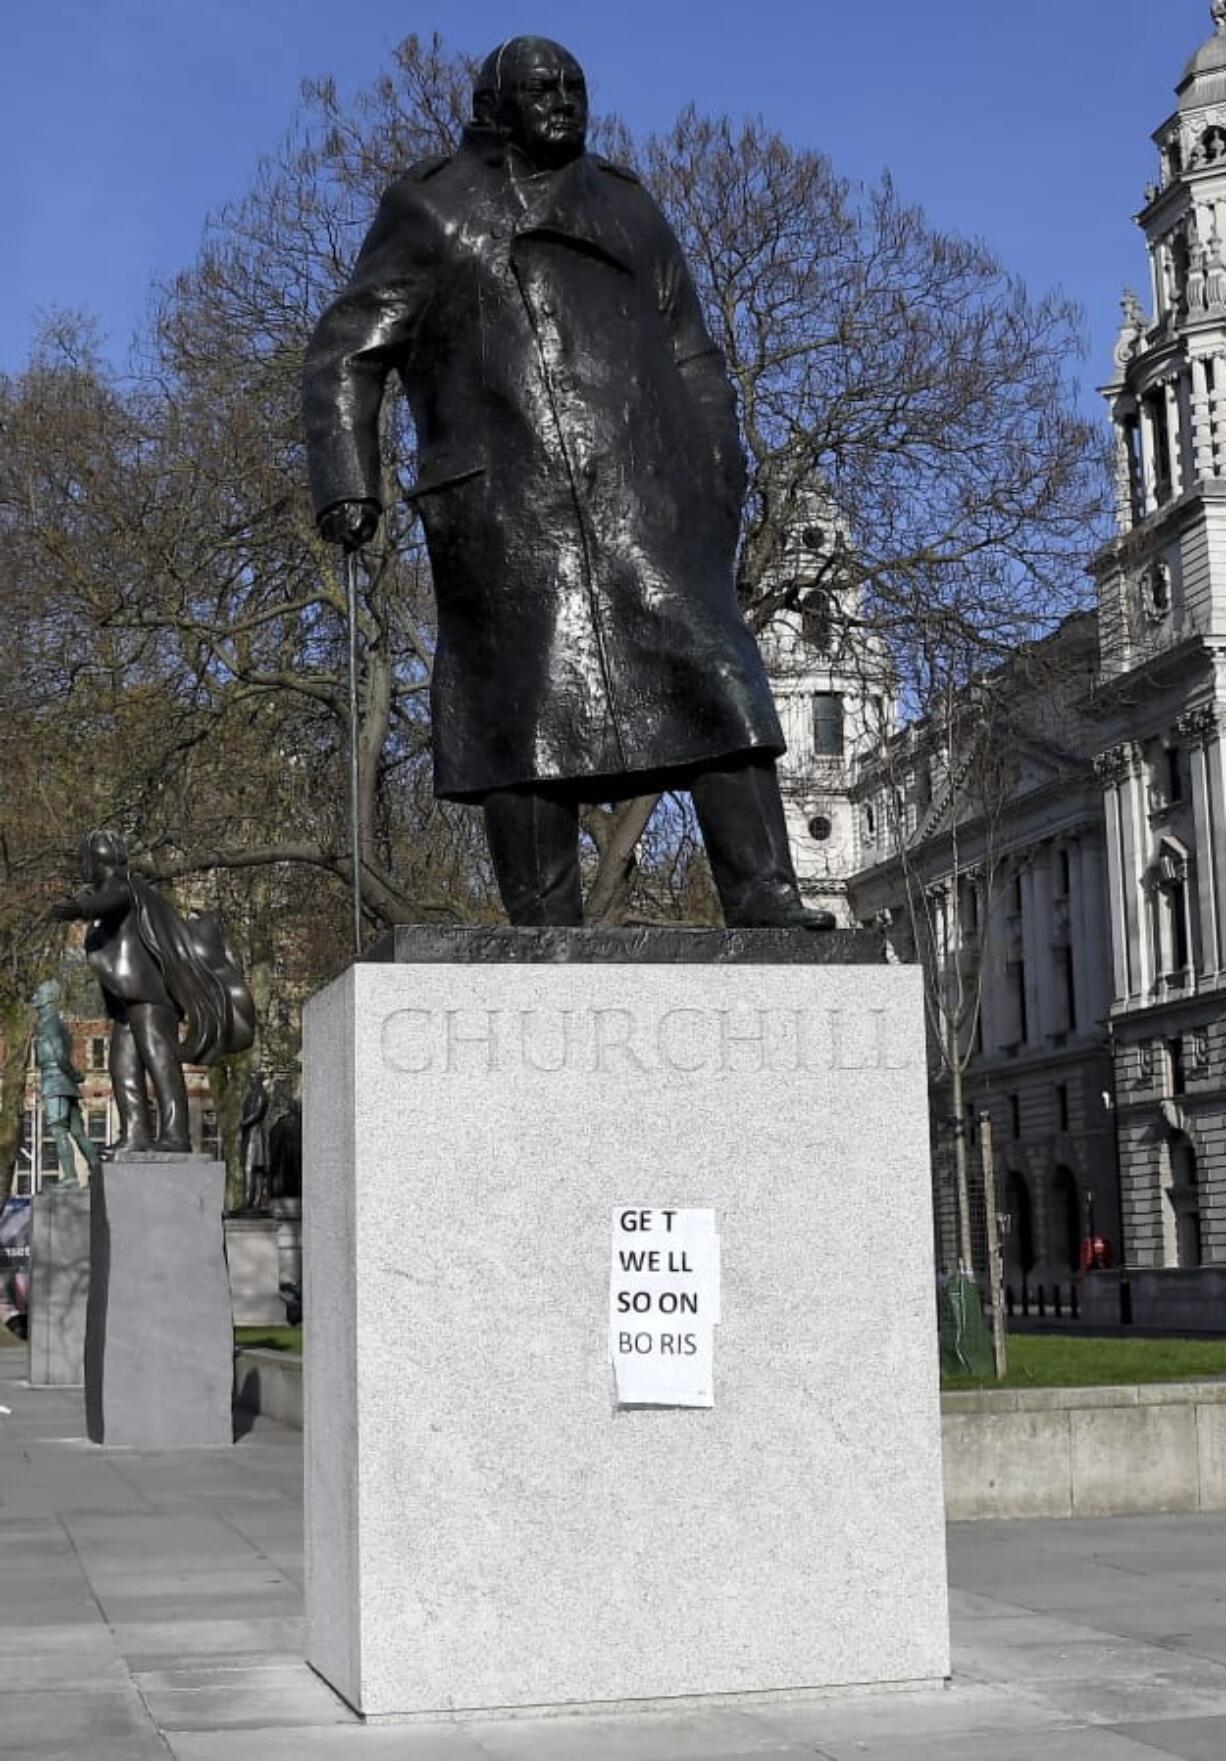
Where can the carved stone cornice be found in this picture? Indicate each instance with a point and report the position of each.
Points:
(1198, 724)
(1116, 763)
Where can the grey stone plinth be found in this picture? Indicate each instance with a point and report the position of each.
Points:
(255, 1272)
(288, 1212)
(430, 944)
(59, 1286)
(159, 1347)
(485, 1527)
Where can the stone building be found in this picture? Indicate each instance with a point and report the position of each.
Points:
(984, 855)
(1161, 700)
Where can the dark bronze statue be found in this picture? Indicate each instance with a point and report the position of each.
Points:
(159, 972)
(60, 1082)
(580, 483)
(253, 1126)
(285, 1144)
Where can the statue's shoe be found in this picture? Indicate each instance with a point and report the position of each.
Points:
(115, 1152)
(772, 915)
(173, 1146)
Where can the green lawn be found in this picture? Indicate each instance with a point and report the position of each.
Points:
(1045, 1360)
(1036, 1360)
(269, 1338)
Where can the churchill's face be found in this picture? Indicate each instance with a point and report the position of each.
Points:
(541, 102)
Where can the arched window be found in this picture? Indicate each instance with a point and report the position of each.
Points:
(1173, 905)
(1211, 148)
(815, 619)
(828, 724)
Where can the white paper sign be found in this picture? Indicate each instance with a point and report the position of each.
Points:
(663, 1306)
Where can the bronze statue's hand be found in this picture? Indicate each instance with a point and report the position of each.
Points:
(350, 523)
(65, 911)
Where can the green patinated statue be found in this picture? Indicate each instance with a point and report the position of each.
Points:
(61, 1084)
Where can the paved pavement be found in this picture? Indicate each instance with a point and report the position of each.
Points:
(150, 1606)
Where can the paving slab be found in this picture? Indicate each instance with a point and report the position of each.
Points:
(222, 1697)
(971, 1708)
(92, 1725)
(78, 1656)
(692, 1735)
(1192, 1739)
(153, 1644)
(152, 1608)
(1059, 1745)
(356, 1743)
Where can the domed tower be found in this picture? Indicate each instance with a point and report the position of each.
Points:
(831, 686)
(1168, 399)
(1162, 692)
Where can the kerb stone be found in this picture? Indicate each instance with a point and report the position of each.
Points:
(485, 1527)
(59, 1286)
(159, 1347)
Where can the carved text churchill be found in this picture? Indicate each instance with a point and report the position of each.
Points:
(682, 1040)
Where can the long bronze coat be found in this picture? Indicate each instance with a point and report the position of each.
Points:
(580, 471)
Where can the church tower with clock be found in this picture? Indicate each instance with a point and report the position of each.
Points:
(834, 695)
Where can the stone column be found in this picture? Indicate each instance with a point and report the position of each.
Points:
(1174, 435)
(1210, 764)
(1133, 822)
(1149, 481)
(1162, 280)
(1082, 926)
(1039, 946)
(1202, 427)
(1123, 481)
(1111, 769)
(1094, 945)
(1217, 414)
(1031, 950)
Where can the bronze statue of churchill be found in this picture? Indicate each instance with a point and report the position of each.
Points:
(580, 480)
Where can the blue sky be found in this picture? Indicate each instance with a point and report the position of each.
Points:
(123, 122)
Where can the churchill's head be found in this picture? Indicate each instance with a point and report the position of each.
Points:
(533, 91)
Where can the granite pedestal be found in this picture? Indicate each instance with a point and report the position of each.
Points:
(159, 1344)
(486, 1527)
(288, 1212)
(255, 1270)
(59, 1286)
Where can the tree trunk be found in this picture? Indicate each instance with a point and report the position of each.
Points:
(996, 1271)
(961, 1180)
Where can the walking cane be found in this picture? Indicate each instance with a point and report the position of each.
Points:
(352, 559)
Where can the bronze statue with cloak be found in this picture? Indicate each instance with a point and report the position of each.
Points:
(172, 992)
